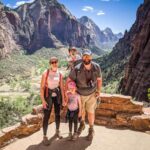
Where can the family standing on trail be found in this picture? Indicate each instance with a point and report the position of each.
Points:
(79, 94)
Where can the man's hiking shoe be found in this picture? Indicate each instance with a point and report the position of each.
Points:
(81, 128)
(90, 135)
(46, 141)
(57, 134)
(75, 136)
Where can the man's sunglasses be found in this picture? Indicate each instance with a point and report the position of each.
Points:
(54, 62)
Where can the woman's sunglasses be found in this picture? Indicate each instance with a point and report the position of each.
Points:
(54, 62)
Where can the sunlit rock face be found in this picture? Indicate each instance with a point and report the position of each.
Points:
(136, 81)
(48, 23)
(8, 37)
(104, 39)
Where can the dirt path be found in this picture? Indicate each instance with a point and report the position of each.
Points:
(105, 139)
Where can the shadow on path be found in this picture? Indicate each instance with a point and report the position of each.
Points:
(62, 144)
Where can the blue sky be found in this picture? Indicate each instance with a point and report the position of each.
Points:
(116, 14)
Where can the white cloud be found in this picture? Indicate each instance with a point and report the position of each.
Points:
(100, 13)
(8, 5)
(88, 8)
(22, 2)
(91, 9)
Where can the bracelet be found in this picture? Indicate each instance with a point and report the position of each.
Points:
(97, 91)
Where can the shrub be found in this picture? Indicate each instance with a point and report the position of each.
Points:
(12, 110)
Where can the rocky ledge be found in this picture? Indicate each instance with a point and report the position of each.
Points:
(115, 111)
(118, 111)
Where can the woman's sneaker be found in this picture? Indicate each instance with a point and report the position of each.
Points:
(70, 136)
(45, 141)
(75, 136)
(57, 134)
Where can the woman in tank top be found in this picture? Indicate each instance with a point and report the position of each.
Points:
(52, 93)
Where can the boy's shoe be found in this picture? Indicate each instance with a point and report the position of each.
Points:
(45, 141)
(70, 136)
(81, 127)
(75, 136)
(57, 134)
(90, 135)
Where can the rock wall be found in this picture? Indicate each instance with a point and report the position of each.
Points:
(7, 35)
(48, 23)
(43, 23)
(29, 125)
(115, 111)
(136, 80)
(104, 39)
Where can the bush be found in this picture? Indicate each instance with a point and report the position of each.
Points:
(63, 63)
(13, 83)
(25, 84)
(37, 100)
(42, 66)
(9, 113)
(12, 110)
(111, 88)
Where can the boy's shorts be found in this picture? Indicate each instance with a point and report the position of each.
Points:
(89, 103)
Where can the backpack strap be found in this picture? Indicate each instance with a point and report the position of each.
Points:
(60, 77)
(46, 82)
(77, 69)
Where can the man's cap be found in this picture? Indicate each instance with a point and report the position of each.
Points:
(87, 52)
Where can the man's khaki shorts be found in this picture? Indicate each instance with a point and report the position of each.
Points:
(89, 103)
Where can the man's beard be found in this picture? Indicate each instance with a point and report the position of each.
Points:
(86, 62)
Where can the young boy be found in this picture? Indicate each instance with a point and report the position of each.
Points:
(74, 109)
(73, 58)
